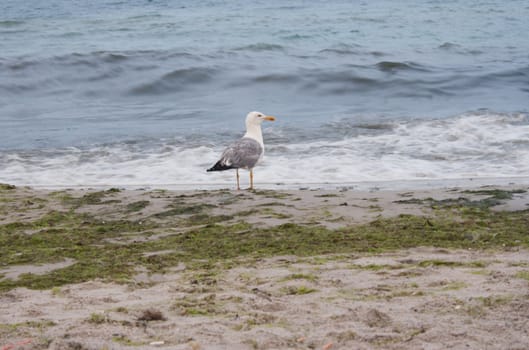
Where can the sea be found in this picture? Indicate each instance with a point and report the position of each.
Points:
(147, 93)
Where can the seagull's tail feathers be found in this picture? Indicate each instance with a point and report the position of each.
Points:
(219, 166)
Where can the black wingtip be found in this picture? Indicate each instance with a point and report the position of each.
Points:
(219, 167)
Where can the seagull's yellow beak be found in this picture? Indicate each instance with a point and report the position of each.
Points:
(270, 118)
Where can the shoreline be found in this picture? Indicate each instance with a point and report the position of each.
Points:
(397, 185)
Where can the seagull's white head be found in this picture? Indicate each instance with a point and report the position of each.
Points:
(256, 118)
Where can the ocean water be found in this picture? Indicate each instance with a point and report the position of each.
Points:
(148, 93)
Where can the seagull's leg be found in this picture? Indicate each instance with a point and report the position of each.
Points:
(238, 187)
(251, 179)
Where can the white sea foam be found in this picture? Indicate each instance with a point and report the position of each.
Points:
(468, 146)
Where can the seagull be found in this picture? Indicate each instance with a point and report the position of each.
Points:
(246, 152)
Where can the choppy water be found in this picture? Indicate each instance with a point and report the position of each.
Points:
(130, 93)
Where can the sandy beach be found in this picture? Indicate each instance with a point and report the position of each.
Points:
(265, 269)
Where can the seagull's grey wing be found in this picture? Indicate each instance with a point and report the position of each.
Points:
(243, 153)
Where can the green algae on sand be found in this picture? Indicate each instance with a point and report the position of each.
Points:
(199, 237)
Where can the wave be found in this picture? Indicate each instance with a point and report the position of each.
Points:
(277, 78)
(480, 144)
(344, 49)
(449, 46)
(393, 66)
(352, 52)
(456, 48)
(368, 19)
(95, 58)
(94, 72)
(517, 75)
(412, 80)
(350, 128)
(512, 78)
(149, 73)
(258, 47)
(176, 80)
(11, 23)
(362, 80)
(294, 37)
